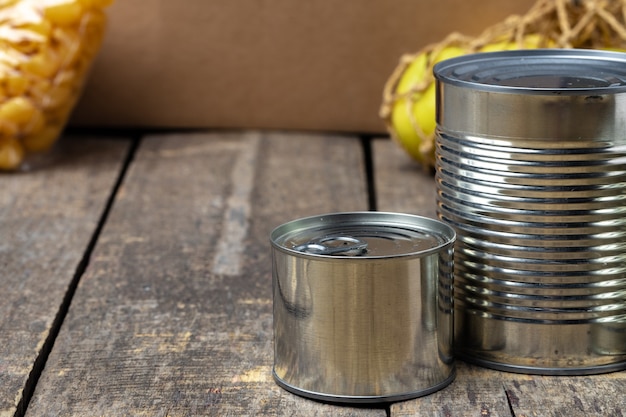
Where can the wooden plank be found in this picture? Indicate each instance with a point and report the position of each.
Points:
(475, 392)
(47, 219)
(572, 396)
(402, 185)
(161, 324)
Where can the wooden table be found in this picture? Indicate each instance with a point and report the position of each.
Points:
(136, 279)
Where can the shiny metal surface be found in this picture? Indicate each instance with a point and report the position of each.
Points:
(532, 176)
(368, 327)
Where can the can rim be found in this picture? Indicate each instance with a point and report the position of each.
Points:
(376, 218)
(365, 399)
(448, 71)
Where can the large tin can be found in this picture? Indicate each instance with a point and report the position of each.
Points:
(531, 173)
(363, 306)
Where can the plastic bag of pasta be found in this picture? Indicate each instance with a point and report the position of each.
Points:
(46, 49)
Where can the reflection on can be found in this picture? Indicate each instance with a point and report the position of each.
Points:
(531, 173)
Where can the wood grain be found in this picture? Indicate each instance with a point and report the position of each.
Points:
(571, 396)
(403, 186)
(47, 218)
(157, 327)
(475, 392)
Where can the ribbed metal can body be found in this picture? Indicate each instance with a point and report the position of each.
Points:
(363, 306)
(531, 173)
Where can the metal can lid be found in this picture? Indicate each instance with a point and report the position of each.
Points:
(363, 235)
(539, 71)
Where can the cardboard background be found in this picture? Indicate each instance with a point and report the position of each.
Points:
(276, 64)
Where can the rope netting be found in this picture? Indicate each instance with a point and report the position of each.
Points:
(588, 24)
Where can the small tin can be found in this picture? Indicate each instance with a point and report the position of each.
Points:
(363, 306)
(531, 173)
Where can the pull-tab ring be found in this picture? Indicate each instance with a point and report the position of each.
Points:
(334, 245)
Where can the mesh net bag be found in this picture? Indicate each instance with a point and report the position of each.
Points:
(46, 50)
(408, 106)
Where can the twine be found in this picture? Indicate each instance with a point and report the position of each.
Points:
(587, 24)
